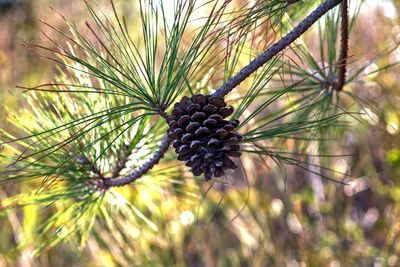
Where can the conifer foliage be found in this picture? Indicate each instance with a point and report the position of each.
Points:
(209, 78)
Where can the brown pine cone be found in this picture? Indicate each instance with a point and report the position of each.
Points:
(202, 138)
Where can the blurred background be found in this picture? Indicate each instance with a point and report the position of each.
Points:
(354, 225)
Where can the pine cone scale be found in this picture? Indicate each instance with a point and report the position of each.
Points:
(201, 136)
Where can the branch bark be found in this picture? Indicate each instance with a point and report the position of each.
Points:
(133, 176)
(344, 45)
(277, 47)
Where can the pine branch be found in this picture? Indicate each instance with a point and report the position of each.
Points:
(125, 180)
(276, 48)
(229, 86)
(344, 46)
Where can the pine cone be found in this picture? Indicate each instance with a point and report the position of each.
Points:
(202, 138)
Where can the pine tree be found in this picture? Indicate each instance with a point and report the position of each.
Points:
(189, 96)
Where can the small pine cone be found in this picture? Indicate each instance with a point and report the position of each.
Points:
(201, 136)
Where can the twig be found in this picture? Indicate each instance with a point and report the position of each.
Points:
(344, 45)
(133, 176)
(276, 48)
